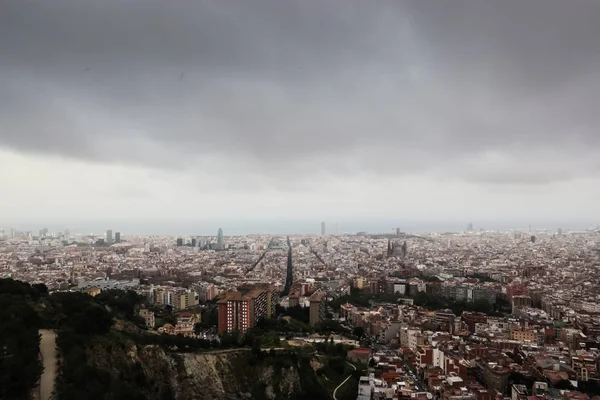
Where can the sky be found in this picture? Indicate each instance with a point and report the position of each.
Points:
(274, 115)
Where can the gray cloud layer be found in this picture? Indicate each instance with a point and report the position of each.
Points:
(498, 91)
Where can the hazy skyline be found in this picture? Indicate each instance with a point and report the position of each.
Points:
(421, 113)
(286, 227)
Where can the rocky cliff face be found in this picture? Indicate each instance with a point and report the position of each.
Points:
(218, 375)
(235, 375)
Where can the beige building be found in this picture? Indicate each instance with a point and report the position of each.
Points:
(186, 300)
(524, 336)
(148, 317)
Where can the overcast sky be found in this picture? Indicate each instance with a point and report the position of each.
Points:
(417, 112)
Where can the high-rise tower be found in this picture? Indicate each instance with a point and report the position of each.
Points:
(220, 240)
(109, 236)
(323, 228)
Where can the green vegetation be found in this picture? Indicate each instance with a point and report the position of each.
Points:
(432, 302)
(210, 317)
(481, 277)
(298, 313)
(358, 298)
(20, 368)
(591, 387)
(291, 325)
(349, 390)
(101, 359)
(518, 378)
(429, 278)
(335, 369)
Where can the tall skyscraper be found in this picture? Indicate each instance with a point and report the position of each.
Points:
(470, 227)
(337, 228)
(117, 237)
(323, 228)
(397, 231)
(289, 278)
(109, 236)
(220, 240)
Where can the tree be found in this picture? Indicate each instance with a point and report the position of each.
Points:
(19, 347)
(359, 332)
(257, 347)
(482, 305)
(41, 289)
(120, 301)
(338, 364)
(210, 318)
(564, 385)
(518, 378)
(591, 387)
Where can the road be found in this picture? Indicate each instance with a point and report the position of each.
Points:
(343, 383)
(48, 352)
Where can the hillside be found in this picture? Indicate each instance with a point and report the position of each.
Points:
(103, 354)
(154, 373)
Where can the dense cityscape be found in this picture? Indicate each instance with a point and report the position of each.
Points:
(471, 315)
(299, 200)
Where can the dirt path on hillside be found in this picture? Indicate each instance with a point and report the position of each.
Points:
(48, 352)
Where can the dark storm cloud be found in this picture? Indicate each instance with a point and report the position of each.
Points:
(331, 87)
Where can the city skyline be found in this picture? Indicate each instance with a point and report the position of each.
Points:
(342, 111)
(207, 229)
(308, 199)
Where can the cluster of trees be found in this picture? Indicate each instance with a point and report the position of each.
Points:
(433, 302)
(78, 319)
(328, 348)
(87, 344)
(429, 278)
(122, 303)
(297, 323)
(359, 298)
(298, 313)
(335, 357)
(20, 368)
(24, 309)
(294, 324)
(481, 277)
